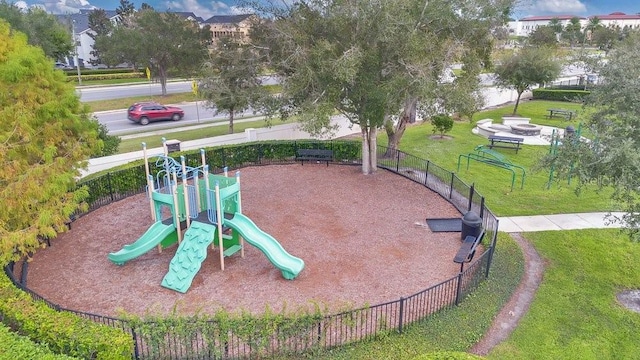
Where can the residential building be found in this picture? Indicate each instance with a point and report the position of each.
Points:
(236, 26)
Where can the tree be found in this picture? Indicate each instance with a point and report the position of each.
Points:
(573, 32)
(543, 36)
(165, 42)
(612, 115)
(605, 38)
(126, 10)
(592, 26)
(42, 29)
(45, 137)
(442, 124)
(366, 60)
(556, 25)
(231, 79)
(100, 26)
(528, 67)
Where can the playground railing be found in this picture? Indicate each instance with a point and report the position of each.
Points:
(208, 339)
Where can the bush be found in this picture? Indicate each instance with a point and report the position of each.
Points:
(14, 346)
(560, 95)
(64, 332)
(442, 124)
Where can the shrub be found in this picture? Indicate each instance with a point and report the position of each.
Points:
(442, 124)
(560, 95)
(14, 346)
(64, 332)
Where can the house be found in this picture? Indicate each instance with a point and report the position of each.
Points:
(236, 26)
(78, 23)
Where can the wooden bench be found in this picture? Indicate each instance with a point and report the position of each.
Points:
(314, 155)
(505, 142)
(563, 113)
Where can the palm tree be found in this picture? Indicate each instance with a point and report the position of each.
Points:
(594, 23)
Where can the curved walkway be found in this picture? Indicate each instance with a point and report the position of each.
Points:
(509, 317)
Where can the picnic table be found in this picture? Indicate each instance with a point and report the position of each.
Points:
(564, 113)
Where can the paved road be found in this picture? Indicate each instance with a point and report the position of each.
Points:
(125, 91)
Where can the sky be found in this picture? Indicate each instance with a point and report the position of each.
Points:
(208, 8)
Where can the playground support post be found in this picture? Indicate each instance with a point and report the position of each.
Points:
(176, 207)
(219, 221)
(185, 191)
(205, 168)
(239, 210)
(164, 146)
(149, 182)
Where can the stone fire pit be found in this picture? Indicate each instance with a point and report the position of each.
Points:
(525, 129)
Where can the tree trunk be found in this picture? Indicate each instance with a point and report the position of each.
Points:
(394, 133)
(163, 80)
(231, 113)
(515, 108)
(369, 145)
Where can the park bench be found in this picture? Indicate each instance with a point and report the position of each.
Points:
(467, 250)
(314, 155)
(563, 113)
(505, 142)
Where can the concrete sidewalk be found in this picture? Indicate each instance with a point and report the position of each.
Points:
(597, 220)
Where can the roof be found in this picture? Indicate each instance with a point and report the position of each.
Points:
(187, 15)
(549, 18)
(82, 18)
(617, 16)
(227, 19)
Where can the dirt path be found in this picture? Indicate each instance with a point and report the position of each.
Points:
(510, 315)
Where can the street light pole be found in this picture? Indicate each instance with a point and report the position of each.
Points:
(75, 52)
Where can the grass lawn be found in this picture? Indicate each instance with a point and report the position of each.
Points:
(575, 314)
(495, 183)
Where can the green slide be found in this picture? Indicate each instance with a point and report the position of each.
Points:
(189, 256)
(152, 237)
(289, 265)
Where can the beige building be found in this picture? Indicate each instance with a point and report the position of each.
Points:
(236, 26)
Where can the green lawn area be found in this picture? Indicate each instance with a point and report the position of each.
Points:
(575, 314)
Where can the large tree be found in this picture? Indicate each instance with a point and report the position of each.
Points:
(45, 136)
(543, 36)
(367, 60)
(42, 29)
(612, 116)
(526, 68)
(100, 26)
(572, 32)
(165, 42)
(231, 79)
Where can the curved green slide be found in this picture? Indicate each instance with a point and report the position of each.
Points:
(189, 257)
(152, 237)
(289, 265)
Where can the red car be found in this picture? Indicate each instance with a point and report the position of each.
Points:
(146, 112)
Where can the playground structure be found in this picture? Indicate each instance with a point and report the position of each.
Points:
(487, 156)
(208, 208)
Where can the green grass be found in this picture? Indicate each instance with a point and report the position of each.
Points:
(118, 104)
(575, 314)
(152, 141)
(108, 81)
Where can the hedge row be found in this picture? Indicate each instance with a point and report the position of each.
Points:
(560, 94)
(83, 71)
(63, 332)
(130, 75)
(14, 346)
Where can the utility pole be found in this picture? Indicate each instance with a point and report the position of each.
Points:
(75, 52)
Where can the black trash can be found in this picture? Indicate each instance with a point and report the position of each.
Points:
(471, 225)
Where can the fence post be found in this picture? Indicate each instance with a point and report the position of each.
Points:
(136, 351)
(451, 186)
(471, 191)
(482, 207)
(23, 273)
(401, 314)
(459, 288)
(426, 174)
(398, 161)
(109, 184)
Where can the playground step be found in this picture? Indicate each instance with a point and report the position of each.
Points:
(232, 250)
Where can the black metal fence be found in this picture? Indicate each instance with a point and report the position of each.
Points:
(210, 340)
